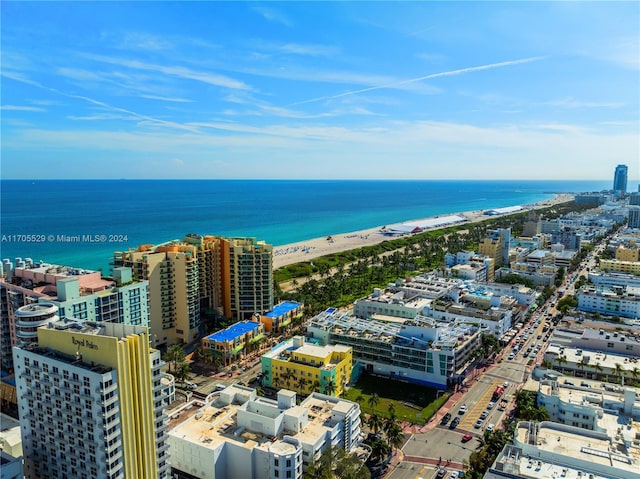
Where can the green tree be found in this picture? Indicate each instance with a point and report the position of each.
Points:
(380, 450)
(183, 372)
(373, 401)
(174, 355)
(375, 422)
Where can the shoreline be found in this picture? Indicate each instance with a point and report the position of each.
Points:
(307, 250)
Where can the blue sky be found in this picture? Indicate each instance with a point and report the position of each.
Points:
(418, 90)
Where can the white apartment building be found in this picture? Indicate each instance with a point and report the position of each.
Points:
(588, 404)
(242, 435)
(399, 304)
(594, 364)
(622, 301)
(420, 350)
(549, 450)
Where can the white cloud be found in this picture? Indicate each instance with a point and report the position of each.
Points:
(426, 77)
(169, 99)
(570, 102)
(273, 15)
(20, 108)
(177, 71)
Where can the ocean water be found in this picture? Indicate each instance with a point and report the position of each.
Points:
(119, 214)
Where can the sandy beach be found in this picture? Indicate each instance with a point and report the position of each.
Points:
(313, 248)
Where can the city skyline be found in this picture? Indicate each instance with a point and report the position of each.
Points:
(433, 90)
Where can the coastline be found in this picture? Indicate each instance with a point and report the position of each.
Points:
(308, 250)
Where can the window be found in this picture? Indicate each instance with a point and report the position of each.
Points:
(276, 462)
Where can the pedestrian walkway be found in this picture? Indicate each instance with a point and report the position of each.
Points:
(434, 462)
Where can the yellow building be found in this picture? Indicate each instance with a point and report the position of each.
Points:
(496, 246)
(631, 253)
(306, 368)
(630, 267)
(102, 383)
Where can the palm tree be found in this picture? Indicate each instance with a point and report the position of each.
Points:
(359, 398)
(375, 423)
(175, 355)
(395, 436)
(315, 386)
(635, 372)
(330, 387)
(392, 411)
(597, 367)
(182, 372)
(380, 450)
(373, 401)
(620, 372)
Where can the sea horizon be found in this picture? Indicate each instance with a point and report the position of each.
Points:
(118, 214)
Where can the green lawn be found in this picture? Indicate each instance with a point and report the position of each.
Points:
(412, 402)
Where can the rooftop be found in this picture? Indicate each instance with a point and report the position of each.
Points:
(282, 309)
(232, 332)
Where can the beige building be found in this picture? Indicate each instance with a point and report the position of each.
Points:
(631, 253)
(201, 275)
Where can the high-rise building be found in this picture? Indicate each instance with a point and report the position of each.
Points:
(198, 276)
(496, 245)
(76, 293)
(634, 217)
(247, 277)
(91, 405)
(620, 180)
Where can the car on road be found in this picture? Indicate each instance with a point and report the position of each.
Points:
(490, 427)
(462, 409)
(454, 423)
(484, 414)
(466, 438)
(478, 423)
(445, 419)
(490, 405)
(511, 356)
(506, 384)
(441, 473)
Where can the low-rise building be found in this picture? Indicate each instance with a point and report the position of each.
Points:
(399, 304)
(628, 267)
(549, 450)
(594, 364)
(588, 404)
(242, 435)
(280, 317)
(303, 367)
(420, 350)
(622, 301)
(232, 342)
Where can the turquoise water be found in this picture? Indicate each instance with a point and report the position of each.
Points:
(119, 214)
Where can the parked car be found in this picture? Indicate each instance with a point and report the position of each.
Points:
(441, 473)
(462, 409)
(484, 414)
(490, 427)
(466, 438)
(445, 419)
(478, 423)
(490, 405)
(454, 423)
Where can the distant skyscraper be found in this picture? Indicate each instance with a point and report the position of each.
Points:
(620, 180)
(91, 403)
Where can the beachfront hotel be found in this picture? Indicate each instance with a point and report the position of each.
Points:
(420, 350)
(231, 343)
(201, 276)
(240, 434)
(91, 402)
(304, 367)
(75, 293)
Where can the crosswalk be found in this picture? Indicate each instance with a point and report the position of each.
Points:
(473, 414)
